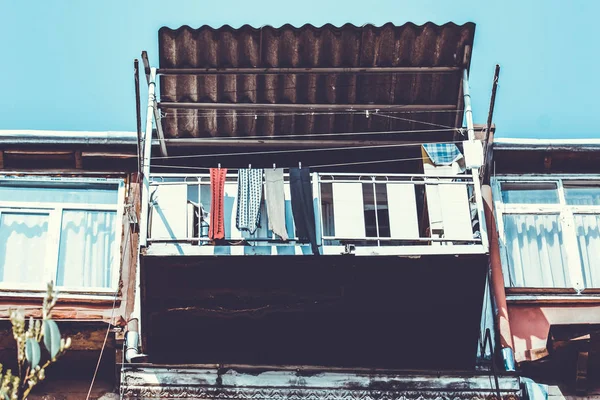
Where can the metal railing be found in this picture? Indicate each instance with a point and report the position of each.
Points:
(352, 211)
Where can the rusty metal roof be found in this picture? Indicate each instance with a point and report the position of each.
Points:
(410, 73)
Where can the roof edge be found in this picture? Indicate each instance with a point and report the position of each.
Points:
(311, 26)
(546, 144)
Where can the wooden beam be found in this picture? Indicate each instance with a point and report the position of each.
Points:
(78, 160)
(329, 70)
(108, 155)
(305, 107)
(278, 143)
(581, 374)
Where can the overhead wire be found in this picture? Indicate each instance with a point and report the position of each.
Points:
(128, 240)
(267, 138)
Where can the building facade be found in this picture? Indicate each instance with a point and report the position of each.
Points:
(306, 214)
(546, 201)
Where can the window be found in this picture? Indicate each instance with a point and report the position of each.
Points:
(549, 231)
(64, 230)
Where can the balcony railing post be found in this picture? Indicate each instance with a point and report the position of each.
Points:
(319, 214)
(475, 171)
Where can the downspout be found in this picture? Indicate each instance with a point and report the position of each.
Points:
(484, 195)
(133, 342)
(497, 283)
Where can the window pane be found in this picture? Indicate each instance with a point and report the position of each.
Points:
(588, 237)
(86, 252)
(59, 193)
(530, 193)
(23, 247)
(582, 195)
(535, 251)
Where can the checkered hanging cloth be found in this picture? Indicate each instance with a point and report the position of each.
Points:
(249, 197)
(442, 153)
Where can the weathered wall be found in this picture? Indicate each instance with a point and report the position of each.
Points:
(530, 323)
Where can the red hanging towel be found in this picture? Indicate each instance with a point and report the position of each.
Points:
(217, 215)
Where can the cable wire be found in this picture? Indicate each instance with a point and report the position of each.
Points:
(267, 138)
(112, 316)
(309, 166)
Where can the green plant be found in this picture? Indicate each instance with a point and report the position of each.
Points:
(32, 360)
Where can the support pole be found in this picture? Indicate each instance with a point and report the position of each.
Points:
(475, 171)
(159, 129)
(489, 137)
(138, 110)
(491, 238)
(143, 235)
(147, 150)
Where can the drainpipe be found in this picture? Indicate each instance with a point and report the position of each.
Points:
(497, 283)
(132, 343)
(132, 337)
(483, 194)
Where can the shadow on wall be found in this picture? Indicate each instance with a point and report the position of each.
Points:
(529, 327)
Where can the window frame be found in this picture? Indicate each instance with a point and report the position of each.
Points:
(55, 212)
(566, 214)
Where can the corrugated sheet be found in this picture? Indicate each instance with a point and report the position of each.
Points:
(409, 45)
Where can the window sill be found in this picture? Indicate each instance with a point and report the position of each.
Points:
(63, 297)
(573, 298)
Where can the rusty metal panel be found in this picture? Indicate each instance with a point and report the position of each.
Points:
(348, 46)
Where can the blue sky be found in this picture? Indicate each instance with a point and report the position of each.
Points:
(68, 65)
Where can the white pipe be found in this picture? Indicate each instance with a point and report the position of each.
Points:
(474, 171)
(147, 148)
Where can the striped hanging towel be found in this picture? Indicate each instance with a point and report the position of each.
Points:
(217, 213)
(249, 197)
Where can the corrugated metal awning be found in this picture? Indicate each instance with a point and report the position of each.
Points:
(276, 82)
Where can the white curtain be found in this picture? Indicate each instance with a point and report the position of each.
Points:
(535, 251)
(588, 237)
(23, 247)
(86, 252)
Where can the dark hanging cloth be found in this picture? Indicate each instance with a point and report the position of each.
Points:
(303, 208)
(216, 229)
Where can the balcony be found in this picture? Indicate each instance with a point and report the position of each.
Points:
(359, 214)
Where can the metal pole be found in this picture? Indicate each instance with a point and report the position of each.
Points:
(468, 110)
(475, 171)
(138, 111)
(143, 235)
(487, 153)
(147, 149)
(157, 116)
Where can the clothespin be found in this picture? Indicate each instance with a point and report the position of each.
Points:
(255, 117)
(367, 113)
(219, 165)
(249, 166)
(273, 166)
(299, 164)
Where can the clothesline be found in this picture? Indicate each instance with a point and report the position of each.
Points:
(249, 199)
(308, 166)
(247, 153)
